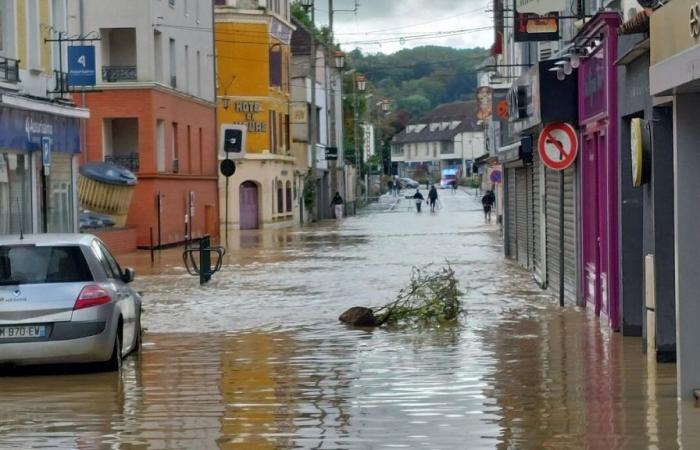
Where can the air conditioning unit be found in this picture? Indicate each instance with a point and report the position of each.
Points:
(546, 50)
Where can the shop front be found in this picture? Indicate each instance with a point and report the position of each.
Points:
(675, 80)
(38, 169)
(598, 167)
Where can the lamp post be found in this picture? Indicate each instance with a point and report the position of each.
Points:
(360, 85)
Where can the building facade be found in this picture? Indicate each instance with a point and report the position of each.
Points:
(450, 136)
(153, 111)
(40, 127)
(329, 173)
(253, 88)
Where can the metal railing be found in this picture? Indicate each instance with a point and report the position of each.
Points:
(9, 70)
(130, 161)
(112, 74)
(60, 82)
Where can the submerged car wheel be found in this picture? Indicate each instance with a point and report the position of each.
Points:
(114, 364)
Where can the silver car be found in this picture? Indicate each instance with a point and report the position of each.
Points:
(64, 299)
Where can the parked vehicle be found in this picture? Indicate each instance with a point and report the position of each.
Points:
(448, 178)
(408, 183)
(65, 299)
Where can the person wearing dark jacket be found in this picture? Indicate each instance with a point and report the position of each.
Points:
(418, 197)
(337, 205)
(487, 202)
(432, 198)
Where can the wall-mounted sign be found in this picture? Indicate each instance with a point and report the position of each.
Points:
(593, 72)
(695, 20)
(331, 153)
(484, 103)
(536, 26)
(299, 113)
(280, 31)
(558, 145)
(232, 145)
(81, 65)
(250, 110)
(496, 176)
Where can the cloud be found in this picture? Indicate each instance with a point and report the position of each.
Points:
(389, 25)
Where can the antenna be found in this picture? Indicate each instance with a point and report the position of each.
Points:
(21, 220)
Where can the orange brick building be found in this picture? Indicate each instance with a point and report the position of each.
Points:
(186, 130)
(154, 113)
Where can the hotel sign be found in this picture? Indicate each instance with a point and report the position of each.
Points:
(250, 110)
(674, 28)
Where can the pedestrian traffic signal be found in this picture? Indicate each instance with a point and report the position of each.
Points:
(232, 145)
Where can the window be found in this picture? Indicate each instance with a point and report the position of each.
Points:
(196, 10)
(60, 194)
(189, 149)
(275, 67)
(187, 68)
(160, 145)
(199, 74)
(273, 132)
(113, 265)
(102, 258)
(287, 133)
(175, 149)
(280, 198)
(173, 64)
(280, 131)
(187, 7)
(15, 193)
(158, 48)
(33, 35)
(28, 264)
(289, 196)
(199, 149)
(172, 3)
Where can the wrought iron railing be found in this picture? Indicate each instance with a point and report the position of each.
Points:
(112, 74)
(9, 70)
(60, 82)
(130, 161)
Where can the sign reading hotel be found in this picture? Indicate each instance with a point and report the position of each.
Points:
(250, 110)
(537, 20)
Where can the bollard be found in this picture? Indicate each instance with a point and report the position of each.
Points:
(204, 259)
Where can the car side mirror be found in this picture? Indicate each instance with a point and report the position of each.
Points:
(128, 275)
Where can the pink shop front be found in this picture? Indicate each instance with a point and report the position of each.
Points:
(598, 167)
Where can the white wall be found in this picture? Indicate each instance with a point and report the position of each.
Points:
(191, 28)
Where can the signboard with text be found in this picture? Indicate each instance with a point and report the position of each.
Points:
(81, 65)
(536, 20)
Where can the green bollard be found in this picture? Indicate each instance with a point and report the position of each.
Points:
(204, 259)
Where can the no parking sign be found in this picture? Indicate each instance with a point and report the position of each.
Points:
(558, 145)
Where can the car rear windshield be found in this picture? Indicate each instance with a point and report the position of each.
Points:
(28, 264)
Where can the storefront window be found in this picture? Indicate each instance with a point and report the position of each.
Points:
(59, 196)
(15, 193)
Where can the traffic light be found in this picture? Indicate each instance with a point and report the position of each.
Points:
(232, 145)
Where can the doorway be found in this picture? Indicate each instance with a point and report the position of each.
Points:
(249, 204)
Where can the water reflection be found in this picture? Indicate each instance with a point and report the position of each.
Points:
(257, 360)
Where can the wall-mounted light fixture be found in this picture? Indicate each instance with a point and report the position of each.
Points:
(226, 102)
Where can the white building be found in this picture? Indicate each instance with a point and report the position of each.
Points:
(447, 137)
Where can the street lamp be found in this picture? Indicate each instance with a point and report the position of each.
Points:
(339, 60)
(306, 4)
(386, 105)
(361, 83)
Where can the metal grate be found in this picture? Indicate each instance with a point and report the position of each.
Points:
(112, 74)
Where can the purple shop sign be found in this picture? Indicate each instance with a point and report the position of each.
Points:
(594, 81)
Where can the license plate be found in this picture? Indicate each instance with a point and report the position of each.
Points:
(30, 331)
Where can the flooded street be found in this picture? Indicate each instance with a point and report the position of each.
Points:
(258, 360)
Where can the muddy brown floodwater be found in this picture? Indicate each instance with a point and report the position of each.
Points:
(257, 359)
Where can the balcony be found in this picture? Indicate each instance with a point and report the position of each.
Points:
(9, 70)
(116, 74)
(130, 161)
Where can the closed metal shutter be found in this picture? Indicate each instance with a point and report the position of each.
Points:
(537, 226)
(552, 223)
(553, 238)
(521, 214)
(530, 219)
(570, 254)
(510, 214)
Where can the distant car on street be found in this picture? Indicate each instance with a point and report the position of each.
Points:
(65, 299)
(449, 178)
(408, 183)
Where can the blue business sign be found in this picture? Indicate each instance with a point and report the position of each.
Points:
(81, 65)
(31, 131)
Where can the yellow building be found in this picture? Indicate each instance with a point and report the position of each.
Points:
(253, 88)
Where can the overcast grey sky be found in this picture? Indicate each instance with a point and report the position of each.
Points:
(389, 25)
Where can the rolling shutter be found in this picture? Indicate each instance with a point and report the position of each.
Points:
(553, 238)
(530, 219)
(521, 215)
(537, 225)
(510, 214)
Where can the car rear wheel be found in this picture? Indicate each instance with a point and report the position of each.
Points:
(114, 364)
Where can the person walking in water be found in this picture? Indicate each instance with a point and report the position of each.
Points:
(418, 197)
(337, 205)
(432, 198)
(487, 202)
